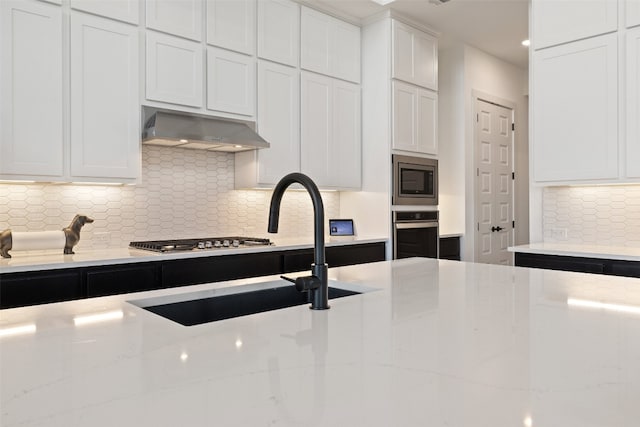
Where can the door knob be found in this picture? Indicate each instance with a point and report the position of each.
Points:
(498, 228)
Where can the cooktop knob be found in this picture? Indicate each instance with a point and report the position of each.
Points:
(236, 243)
(217, 244)
(200, 245)
(225, 243)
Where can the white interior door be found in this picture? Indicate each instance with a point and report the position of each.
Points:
(494, 183)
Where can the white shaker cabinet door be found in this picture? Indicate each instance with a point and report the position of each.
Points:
(345, 161)
(105, 109)
(278, 121)
(427, 122)
(278, 31)
(315, 128)
(346, 64)
(633, 103)
(122, 10)
(173, 70)
(575, 117)
(415, 56)
(231, 85)
(404, 116)
(231, 24)
(179, 17)
(560, 21)
(633, 13)
(31, 88)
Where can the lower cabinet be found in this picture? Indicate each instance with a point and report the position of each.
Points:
(42, 287)
(579, 264)
(449, 248)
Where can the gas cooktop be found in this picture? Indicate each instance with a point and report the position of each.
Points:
(200, 244)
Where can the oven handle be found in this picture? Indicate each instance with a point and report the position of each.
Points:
(409, 225)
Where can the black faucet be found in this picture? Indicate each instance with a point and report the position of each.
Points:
(317, 283)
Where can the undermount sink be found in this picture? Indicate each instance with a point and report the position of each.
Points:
(210, 306)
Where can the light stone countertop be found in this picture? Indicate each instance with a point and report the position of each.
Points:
(438, 343)
(53, 260)
(575, 250)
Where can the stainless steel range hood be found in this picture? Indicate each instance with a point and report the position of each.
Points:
(185, 130)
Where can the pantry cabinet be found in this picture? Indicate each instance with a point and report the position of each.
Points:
(575, 111)
(122, 10)
(181, 18)
(231, 24)
(31, 90)
(633, 103)
(330, 151)
(105, 107)
(278, 122)
(329, 46)
(278, 31)
(415, 119)
(587, 19)
(231, 85)
(173, 70)
(415, 56)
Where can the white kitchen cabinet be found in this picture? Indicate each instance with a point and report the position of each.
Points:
(231, 24)
(31, 91)
(633, 103)
(278, 119)
(415, 119)
(633, 13)
(279, 31)
(105, 107)
(415, 56)
(329, 46)
(561, 21)
(178, 17)
(122, 10)
(575, 118)
(231, 85)
(330, 150)
(173, 70)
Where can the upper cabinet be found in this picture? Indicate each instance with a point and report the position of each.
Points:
(279, 31)
(231, 82)
(173, 70)
(329, 46)
(415, 119)
(575, 111)
(556, 22)
(633, 13)
(181, 18)
(31, 89)
(231, 24)
(633, 103)
(105, 108)
(415, 56)
(122, 10)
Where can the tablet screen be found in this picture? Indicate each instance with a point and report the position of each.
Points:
(341, 227)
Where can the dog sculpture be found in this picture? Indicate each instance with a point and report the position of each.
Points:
(69, 237)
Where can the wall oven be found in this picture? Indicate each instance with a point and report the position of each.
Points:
(415, 234)
(415, 181)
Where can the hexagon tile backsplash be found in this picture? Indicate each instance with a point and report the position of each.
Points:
(597, 215)
(183, 193)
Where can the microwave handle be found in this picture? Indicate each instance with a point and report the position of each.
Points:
(409, 225)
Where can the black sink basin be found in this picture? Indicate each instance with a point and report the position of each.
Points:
(204, 310)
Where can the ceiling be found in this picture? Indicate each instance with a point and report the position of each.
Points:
(494, 26)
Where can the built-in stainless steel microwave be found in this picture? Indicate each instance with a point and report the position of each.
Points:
(415, 181)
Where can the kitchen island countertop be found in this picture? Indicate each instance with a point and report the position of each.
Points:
(435, 343)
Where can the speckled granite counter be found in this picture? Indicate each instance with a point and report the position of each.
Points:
(438, 343)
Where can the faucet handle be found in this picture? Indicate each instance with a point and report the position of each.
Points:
(305, 283)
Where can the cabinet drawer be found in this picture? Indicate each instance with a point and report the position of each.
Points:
(22, 289)
(565, 263)
(120, 280)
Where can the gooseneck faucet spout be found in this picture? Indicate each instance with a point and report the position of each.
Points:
(317, 283)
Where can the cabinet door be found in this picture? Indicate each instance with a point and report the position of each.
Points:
(122, 10)
(404, 117)
(105, 108)
(415, 56)
(231, 24)
(182, 18)
(173, 70)
(633, 13)
(315, 128)
(633, 103)
(345, 162)
(231, 85)
(31, 88)
(278, 121)
(346, 43)
(587, 18)
(427, 122)
(278, 29)
(575, 115)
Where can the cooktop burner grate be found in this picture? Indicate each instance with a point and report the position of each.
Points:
(200, 243)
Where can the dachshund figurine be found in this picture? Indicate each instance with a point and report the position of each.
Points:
(68, 237)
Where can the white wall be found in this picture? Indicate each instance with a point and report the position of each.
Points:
(489, 75)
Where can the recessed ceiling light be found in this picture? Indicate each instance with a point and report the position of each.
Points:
(526, 42)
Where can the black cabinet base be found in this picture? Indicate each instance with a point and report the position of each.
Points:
(611, 267)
